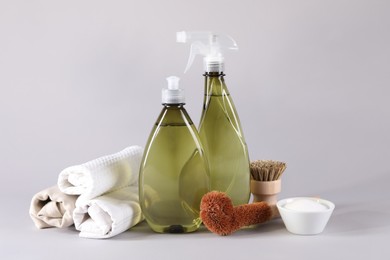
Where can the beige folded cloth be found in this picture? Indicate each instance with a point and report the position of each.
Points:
(52, 208)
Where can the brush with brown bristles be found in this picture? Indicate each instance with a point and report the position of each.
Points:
(267, 170)
(266, 180)
(221, 217)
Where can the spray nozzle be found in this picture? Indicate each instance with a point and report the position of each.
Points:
(173, 94)
(208, 44)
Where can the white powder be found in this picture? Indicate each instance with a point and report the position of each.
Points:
(305, 204)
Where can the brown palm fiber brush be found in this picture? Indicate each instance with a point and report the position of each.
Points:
(221, 217)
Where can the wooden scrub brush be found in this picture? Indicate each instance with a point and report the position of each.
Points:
(266, 180)
(221, 217)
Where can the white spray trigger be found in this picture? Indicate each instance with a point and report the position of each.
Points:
(208, 44)
(196, 48)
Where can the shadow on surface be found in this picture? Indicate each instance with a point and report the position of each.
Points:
(142, 231)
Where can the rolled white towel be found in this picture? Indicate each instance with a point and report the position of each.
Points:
(109, 214)
(102, 175)
(52, 208)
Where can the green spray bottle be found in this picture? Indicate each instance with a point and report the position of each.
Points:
(220, 129)
(174, 173)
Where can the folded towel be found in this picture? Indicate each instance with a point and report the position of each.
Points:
(108, 215)
(102, 175)
(52, 208)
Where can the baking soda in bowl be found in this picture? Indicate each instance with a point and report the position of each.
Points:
(305, 215)
(306, 204)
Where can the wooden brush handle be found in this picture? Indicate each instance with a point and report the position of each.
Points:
(266, 191)
(251, 214)
(220, 217)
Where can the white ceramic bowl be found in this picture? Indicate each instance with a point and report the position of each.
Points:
(305, 220)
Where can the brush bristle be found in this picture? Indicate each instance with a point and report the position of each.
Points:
(217, 213)
(267, 170)
(221, 217)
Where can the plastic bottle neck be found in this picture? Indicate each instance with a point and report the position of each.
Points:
(173, 115)
(174, 106)
(215, 84)
(214, 74)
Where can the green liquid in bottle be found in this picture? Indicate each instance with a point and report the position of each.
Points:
(174, 173)
(223, 140)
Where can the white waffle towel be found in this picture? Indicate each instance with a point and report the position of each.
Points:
(108, 215)
(97, 177)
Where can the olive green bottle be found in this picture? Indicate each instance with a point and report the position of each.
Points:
(221, 134)
(174, 172)
(220, 129)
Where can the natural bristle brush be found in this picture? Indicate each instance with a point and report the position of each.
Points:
(221, 217)
(267, 170)
(266, 180)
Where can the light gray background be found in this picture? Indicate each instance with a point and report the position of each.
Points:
(80, 79)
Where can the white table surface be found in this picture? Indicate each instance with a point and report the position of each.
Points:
(358, 229)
